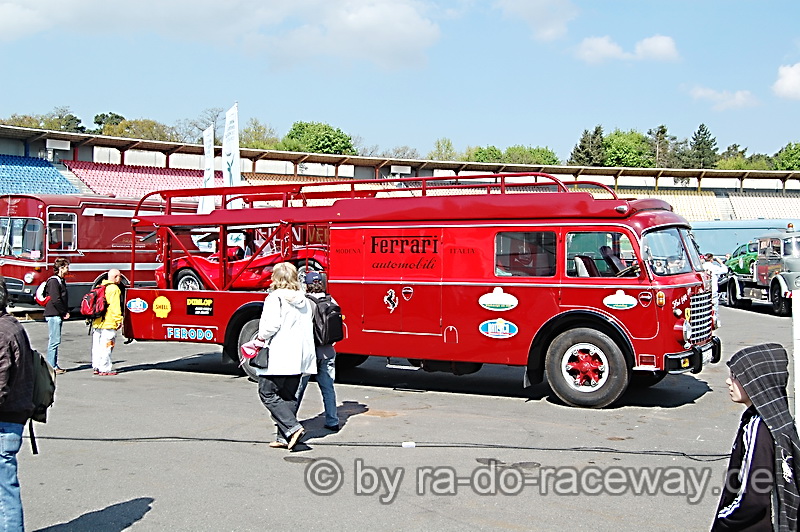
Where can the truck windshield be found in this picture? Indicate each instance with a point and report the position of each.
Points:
(22, 238)
(670, 251)
(791, 247)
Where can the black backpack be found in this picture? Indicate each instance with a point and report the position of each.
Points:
(327, 317)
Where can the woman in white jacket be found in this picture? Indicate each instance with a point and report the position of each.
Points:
(286, 326)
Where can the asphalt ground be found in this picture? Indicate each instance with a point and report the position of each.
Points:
(178, 441)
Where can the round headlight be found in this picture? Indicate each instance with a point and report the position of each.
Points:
(797, 282)
(28, 278)
(687, 330)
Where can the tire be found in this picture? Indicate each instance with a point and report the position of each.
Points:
(248, 332)
(348, 361)
(733, 298)
(603, 364)
(188, 280)
(780, 305)
(303, 269)
(645, 379)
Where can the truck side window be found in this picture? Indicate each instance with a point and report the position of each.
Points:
(525, 254)
(61, 231)
(598, 253)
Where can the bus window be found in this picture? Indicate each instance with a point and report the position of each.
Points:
(529, 254)
(22, 237)
(62, 228)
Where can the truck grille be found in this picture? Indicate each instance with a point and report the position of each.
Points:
(700, 317)
(14, 285)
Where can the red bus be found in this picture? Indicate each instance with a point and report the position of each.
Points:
(93, 232)
(594, 291)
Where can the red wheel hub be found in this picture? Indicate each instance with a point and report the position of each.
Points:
(586, 367)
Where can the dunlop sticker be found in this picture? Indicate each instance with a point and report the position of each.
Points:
(199, 306)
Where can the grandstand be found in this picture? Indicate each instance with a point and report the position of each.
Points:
(29, 175)
(771, 194)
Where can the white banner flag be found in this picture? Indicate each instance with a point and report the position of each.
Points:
(206, 203)
(231, 167)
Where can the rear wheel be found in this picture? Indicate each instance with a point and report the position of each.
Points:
(586, 368)
(733, 297)
(780, 304)
(304, 267)
(188, 280)
(347, 361)
(248, 332)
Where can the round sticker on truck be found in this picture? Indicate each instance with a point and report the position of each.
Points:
(498, 328)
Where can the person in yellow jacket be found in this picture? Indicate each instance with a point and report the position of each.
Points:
(104, 329)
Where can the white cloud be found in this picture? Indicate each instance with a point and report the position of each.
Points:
(599, 49)
(723, 100)
(547, 18)
(390, 33)
(788, 83)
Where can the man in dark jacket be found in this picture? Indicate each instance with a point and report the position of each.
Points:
(56, 310)
(760, 491)
(16, 406)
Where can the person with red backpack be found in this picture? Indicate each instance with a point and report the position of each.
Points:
(56, 310)
(104, 328)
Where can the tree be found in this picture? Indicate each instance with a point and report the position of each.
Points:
(703, 151)
(32, 121)
(526, 155)
(258, 136)
(627, 148)
(317, 137)
(401, 152)
(102, 119)
(62, 119)
(590, 149)
(443, 150)
(489, 154)
(788, 158)
(661, 146)
(142, 128)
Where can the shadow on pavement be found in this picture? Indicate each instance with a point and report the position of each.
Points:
(116, 517)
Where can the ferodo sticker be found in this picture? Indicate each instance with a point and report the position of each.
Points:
(136, 305)
(620, 301)
(180, 332)
(162, 307)
(199, 306)
(498, 328)
(498, 300)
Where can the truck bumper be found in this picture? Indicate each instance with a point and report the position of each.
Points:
(694, 359)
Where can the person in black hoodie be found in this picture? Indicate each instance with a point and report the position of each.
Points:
(760, 490)
(56, 310)
(16, 406)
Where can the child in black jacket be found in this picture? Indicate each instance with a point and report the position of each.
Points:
(760, 490)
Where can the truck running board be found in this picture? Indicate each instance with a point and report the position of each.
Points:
(406, 367)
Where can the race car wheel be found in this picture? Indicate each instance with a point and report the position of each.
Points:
(248, 332)
(188, 280)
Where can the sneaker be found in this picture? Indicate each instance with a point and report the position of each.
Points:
(294, 438)
(95, 371)
(278, 444)
(59, 371)
(107, 373)
(332, 428)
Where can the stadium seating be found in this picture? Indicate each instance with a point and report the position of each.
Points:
(762, 204)
(29, 175)
(128, 181)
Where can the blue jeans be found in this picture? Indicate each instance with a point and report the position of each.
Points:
(10, 501)
(54, 328)
(326, 374)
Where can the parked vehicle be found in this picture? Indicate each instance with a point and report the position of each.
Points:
(743, 260)
(450, 274)
(93, 232)
(775, 273)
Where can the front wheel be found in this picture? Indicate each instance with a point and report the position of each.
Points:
(188, 280)
(348, 361)
(780, 305)
(586, 368)
(248, 332)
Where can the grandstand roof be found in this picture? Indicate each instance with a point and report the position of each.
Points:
(123, 144)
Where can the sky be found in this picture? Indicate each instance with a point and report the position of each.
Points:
(408, 72)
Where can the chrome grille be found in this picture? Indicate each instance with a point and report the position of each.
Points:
(700, 317)
(14, 285)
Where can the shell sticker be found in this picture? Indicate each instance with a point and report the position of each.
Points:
(498, 300)
(136, 305)
(498, 328)
(162, 307)
(620, 301)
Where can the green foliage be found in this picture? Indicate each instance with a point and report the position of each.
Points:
(627, 148)
(661, 146)
(526, 155)
(703, 151)
(142, 128)
(443, 150)
(32, 121)
(316, 137)
(258, 136)
(489, 154)
(590, 150)
(59, 119)
(788, 158)
(107, 118)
